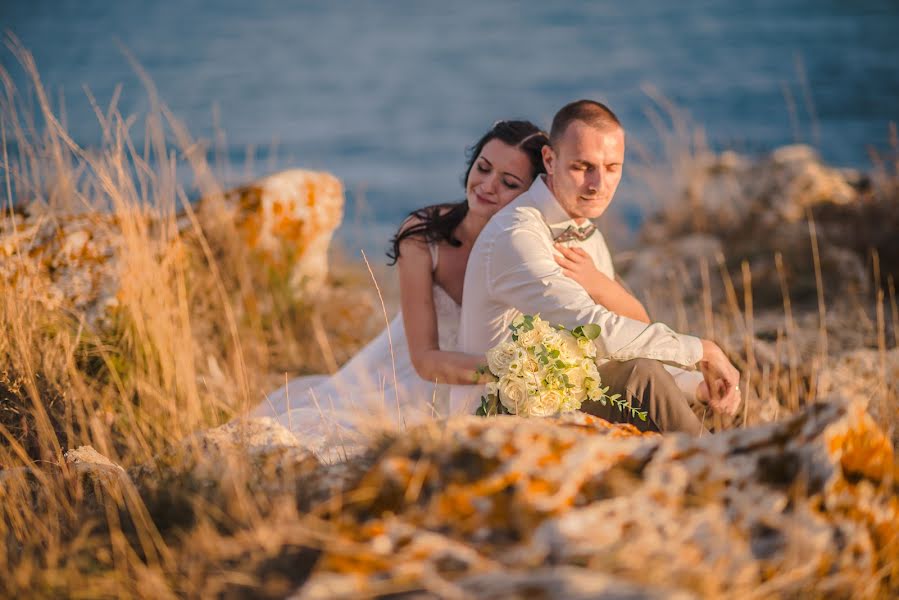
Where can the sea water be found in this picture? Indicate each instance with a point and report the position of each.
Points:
(388, 94)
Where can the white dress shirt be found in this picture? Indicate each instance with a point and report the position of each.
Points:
(511, 270)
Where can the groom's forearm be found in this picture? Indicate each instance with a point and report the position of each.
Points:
(609, 293)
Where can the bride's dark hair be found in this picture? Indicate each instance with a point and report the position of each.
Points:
(438, 222)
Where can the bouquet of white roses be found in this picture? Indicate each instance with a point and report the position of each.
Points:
(544, 371)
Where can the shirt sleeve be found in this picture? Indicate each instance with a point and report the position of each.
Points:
(522, 273)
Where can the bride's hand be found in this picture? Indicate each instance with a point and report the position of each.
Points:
(578, 265)
(483, 375)
(604, 290)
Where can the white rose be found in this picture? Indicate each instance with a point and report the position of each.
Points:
(552, 340)
(530, 365)
(546, 404)
(570, 345)
(499, 357)
(587, 347)
(576, 378)
(530, 338)
(542, 326)
(589, 368)
(577, 396)
(513, 394)
(593, 388)
(521, 362)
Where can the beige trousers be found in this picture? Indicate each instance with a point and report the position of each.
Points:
(649, 387)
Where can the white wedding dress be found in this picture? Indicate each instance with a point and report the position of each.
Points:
(378, 388)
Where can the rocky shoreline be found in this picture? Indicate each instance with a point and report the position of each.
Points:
(797, 496)
(508, 507)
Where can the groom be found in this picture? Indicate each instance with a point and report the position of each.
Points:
(513, 269)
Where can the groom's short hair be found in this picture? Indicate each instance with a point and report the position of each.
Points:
(593, 113)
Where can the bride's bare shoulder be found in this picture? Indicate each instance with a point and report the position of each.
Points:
(416, 225)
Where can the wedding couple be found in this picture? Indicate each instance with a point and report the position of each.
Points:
(520, 242)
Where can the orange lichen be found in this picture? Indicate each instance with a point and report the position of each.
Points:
(707, 513)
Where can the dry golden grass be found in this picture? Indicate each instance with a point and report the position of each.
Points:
(803, 312)
(199, 333)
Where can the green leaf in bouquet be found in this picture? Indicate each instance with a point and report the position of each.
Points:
(490, 406)
(590, 331)
(619, 403)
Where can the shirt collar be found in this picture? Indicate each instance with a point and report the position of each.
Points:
(541, 198)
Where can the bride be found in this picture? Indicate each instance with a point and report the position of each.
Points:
(402, 376)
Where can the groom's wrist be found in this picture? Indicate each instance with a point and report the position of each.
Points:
(710, 352)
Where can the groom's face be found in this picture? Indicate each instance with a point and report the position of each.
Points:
(584, 168)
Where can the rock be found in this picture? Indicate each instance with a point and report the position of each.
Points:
(729, 194)
(76, 261)
(760, 209)
(565, 582)
(254, 456)
(87, 460)
(866, 376)
(101, 484)
(677, 264)
(777, 188)
(253, 436)
(287, 219)
(259, 441)
(71, 260)
(795, 180)
(806, 506)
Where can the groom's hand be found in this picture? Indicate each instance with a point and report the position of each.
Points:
(721, 377)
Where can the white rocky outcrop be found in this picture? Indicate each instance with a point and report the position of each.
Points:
(288, 219)
(80, 262)
(575, 506)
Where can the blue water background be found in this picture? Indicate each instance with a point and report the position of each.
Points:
(388, 94)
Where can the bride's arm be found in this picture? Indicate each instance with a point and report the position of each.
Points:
(420, 320)
(604, 290)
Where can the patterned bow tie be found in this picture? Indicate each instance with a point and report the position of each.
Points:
(576, 233)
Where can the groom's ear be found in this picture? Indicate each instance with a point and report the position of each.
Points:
(549, 158)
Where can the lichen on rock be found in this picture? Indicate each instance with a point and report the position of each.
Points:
(286, 219)
(81, 261)
(809, 503)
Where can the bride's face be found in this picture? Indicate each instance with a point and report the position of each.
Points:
(500, 173)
